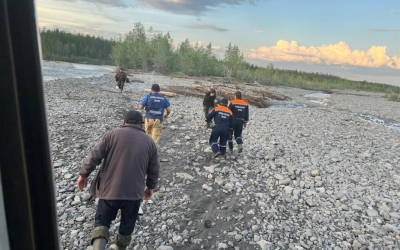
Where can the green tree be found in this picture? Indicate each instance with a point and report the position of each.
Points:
(233, 60)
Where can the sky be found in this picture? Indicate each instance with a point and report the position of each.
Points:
(356, 39)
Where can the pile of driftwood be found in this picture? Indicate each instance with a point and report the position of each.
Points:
(165, 93)
(135, 80)
(179, 90)
(270, 95)
(227, 92)
(252, 99)
(256, 98)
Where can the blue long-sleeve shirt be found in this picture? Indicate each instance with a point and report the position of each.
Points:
(222, 116)
(240, 110)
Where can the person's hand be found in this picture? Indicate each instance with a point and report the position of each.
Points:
(148, 193)
(244, 125)
(165, 117)
(82, 182)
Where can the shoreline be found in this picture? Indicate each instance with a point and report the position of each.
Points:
(309, 178)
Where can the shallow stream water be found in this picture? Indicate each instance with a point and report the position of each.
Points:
(63, 70)
(379, 121)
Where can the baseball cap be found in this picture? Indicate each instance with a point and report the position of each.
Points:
(155, 87)
(133, 117)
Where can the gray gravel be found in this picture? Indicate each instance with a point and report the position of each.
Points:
(309, 178)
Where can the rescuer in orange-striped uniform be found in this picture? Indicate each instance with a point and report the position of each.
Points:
(223, 121)
(240, 110)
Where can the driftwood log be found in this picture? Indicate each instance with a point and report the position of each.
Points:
(165, 93)
(228, 91)
(229, 94)
(135, 80)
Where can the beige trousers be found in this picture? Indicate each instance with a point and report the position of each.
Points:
(153, 127)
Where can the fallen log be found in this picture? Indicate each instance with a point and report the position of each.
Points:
(229, 94)
(135, 80)
(184, 91)
(165, 93)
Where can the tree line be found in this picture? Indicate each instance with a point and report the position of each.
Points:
(59, 45)
(152, 51)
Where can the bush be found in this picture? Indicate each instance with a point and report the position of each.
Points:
(394, 97)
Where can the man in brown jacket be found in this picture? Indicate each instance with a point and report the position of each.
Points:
(121, 78)
(130, 162)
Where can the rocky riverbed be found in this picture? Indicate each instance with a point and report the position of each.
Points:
(313, 175)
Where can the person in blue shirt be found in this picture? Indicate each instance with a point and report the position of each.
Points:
(155, 103)
(223, 120)
(240, 110)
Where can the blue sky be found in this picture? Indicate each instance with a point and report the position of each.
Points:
(354, 39)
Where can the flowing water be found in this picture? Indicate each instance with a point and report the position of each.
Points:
(288, 106)
(379, 121)
(317, 96)
(63, 70)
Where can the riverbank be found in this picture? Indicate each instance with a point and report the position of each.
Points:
(313, 174)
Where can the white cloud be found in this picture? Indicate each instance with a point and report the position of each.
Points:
(335, 54)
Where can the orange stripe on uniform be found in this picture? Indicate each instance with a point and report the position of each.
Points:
(239, 102)
(224, 109)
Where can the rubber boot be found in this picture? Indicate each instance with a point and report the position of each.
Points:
(99, 237)
(240, 148)
(120, 248)
(99, 244)
(122, 241)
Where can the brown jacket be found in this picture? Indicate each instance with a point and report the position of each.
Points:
(129, 155)
(121, 77)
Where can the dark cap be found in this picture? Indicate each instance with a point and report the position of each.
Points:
(224, 101)
(133, 117)
(238, 94)
(155, 87)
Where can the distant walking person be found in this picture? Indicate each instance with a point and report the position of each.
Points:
(240, 110)
(208, 103)
(121, 78)
(155, 103)
(129, 162)
(223, 121)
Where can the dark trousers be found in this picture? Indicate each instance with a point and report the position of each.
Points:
(219, 132)
(107, 211)
(121, 84)
(237, 132)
